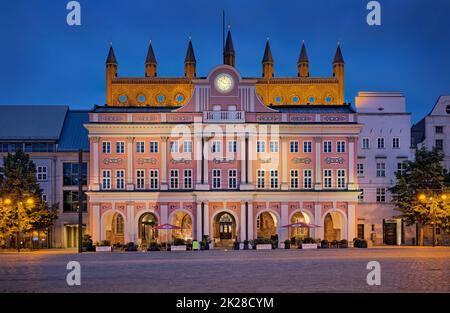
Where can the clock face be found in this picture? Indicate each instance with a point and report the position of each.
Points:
(224, 83)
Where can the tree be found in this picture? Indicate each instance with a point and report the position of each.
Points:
(426, 176)
(22, 208)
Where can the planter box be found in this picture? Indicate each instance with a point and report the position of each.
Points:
(241, 246)
(264, 246)
(178, 248)
(102, 249)
(308, 246)
(350, 244)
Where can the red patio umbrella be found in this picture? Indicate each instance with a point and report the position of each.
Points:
(166, 227)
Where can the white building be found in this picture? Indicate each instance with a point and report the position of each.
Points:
(385, 143)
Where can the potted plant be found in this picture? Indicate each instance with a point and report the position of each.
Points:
(299, 243)
(343, 243)
(189, 245)
(324, 244)
(287, 244)
(103, 246)
(87, 243)
(245, 244)
(206, 242)
(154, 246)
(179, 244)
(236, 245)
(130, 247)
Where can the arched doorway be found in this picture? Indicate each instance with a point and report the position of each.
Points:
(147, 223)
(224, 229)
(267, 225)
(114, 227)
(299, 232)
(334, 226)
(183, 220)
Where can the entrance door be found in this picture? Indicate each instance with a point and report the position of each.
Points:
(390, 233)
(225, 227)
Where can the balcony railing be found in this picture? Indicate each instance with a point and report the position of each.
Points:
(224, 116)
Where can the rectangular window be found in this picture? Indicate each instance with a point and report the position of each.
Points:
(232, 146)
(381, 169)
(307, 179)
(365, 143)
(153, 147)
(380, 143)
(273, 179)
(140, 179)
(260, 146)
(70, 201)
(187, 179)
(395, 143)
(70, 174)
(307, 146)
(361, 195)
(120, 147)
(232, 179)
(361, 231)
(187, 146)
(327, 179)
(106, 147)
(439, 129)
(215, 148)
(381, 194)
(294, 179)
(439, 144)
(274, 146)
(340, 146)
(293, 146)
(216, 179)
(41, 173)
(341, 179)
(140, 147)
(360, 170)
(106, 179)
(174, 146)
(260, 179)
(174, 179)
(401, 168)
(44, 197)
(153, 175)
(120, 179)
(327, 147)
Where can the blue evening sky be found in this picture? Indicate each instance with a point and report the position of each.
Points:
(45, 61)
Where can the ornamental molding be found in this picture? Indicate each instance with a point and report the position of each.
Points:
(180, 161)
(223, 161)
(302, 160)
(147, 161)
(334, 160)
(107, 161)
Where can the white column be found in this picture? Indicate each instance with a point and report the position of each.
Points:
(351, 222)
(198, 158)
(318, 171)
(206, 162)
(351, 163)
(251, 154)
(250, 221)
(130, 228)
(130, 152)
(164, 169)
(243, 159)
(198, 218)
(319, 231)
(284, 171)
(96, 223)
(96, 183)
(164, 211)
(243, 224)
(284, 232)
(206, 218)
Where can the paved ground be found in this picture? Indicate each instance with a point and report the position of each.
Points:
(403, 269)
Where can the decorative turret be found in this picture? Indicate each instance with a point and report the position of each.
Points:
(150, 62)
(267, 62)
(228, 52)
(338, 71)
(111, 72)
(190, 62)
(303, 62)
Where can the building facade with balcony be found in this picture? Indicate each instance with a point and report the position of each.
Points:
(214, 156)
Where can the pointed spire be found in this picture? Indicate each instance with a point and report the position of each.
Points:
(338, 58)
(150, 55)
(303, 57)
(229, 44)
(190, 56)
(111, 59)
(267, 58)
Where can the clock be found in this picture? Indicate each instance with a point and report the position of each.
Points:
(224, 83)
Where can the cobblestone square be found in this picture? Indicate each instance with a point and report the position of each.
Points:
(329, 270)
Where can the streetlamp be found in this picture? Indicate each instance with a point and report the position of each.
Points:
(434, 202)
(20, 204)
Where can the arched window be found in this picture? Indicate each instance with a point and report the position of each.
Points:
(119, 224)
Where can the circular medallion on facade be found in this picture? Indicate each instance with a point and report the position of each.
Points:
(224, 83)
(311, 99)
(328, 99)
(179, 98)
(160, 98)
(141, 98)
(295, 99)
(278, 99)
(123, 98)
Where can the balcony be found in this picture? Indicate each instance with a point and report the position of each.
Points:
(224, 116)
